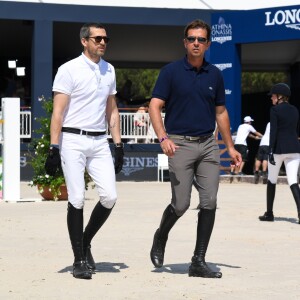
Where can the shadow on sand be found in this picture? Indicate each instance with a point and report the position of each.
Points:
(183, 268)
(106, 267)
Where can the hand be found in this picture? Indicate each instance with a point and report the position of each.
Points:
(271, 159)
(168, 147)
(119, 158)
(53, 161)
(236, 157)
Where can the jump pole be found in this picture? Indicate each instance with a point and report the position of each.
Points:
(11, 149)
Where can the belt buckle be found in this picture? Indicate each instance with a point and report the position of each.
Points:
(192, 138)
(83, 132)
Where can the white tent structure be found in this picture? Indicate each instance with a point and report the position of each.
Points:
(186, 4)
(43, 34)
(144, 34)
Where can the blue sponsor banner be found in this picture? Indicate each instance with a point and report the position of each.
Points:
(140, 162)
(225, 55)
(230, 29)
(253, 26)
(230, 65)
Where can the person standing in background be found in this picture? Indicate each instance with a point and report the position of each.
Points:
(241, 144)
(261, 160)
(284, 146)
(192, 92)
(84, 104)
(141, 123)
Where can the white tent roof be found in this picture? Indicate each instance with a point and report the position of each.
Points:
(184, 4)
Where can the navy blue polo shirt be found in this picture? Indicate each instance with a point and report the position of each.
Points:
(190, 97)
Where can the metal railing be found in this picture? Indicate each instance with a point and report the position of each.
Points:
(135, 127)
(25, 125)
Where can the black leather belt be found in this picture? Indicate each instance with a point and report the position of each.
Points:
(190, 138)
(82, 132)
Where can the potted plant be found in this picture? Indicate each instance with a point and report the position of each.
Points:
(38, 151)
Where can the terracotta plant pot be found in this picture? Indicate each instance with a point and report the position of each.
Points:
(47, 195)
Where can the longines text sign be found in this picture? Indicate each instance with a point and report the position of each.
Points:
(290, 18)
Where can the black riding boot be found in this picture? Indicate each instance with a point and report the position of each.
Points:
(265, 177)
(75, 227)
(256, 177)
(168, 220)
(268, 215)
(198, 267)
(98, 217)
(296, 194)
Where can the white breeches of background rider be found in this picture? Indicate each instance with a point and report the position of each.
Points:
(291, 162)
(93, 153)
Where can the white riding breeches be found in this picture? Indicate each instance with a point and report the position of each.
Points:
(291, 162)
(80, 152)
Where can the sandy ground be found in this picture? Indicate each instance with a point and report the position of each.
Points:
(259, 260)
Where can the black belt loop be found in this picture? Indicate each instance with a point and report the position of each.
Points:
(82, 132)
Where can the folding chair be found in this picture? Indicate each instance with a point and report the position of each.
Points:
(162, 165)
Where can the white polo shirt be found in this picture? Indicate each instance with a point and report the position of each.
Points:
(265, 140)
(88, 84)
(242, 134)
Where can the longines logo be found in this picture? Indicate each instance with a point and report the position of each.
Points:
(23, 161)
(221, 32)
(138, 163)
(224, 66)
(289, 18)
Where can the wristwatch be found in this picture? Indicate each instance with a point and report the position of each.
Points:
(119, 145)
(54, 146)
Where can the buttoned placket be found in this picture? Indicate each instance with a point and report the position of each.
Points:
(98, 76)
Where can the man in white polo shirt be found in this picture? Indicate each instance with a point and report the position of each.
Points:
(84, 103)
(240, 143)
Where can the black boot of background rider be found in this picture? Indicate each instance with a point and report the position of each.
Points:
(296, 194)
(198, 267)
(265, 177)
(256, 177)
(98, 217)
(268, 215)
(75, 227)
(157, 252)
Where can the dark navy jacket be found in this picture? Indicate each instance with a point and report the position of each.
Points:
(284, 120)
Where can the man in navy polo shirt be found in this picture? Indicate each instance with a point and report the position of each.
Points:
(192, 92)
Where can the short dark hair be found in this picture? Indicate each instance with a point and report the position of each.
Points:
(85, 29)
(197, 24)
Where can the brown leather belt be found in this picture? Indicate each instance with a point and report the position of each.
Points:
(202, 138)
(82, 132)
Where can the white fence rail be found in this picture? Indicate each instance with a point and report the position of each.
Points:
(25, 125)
(135, 127)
